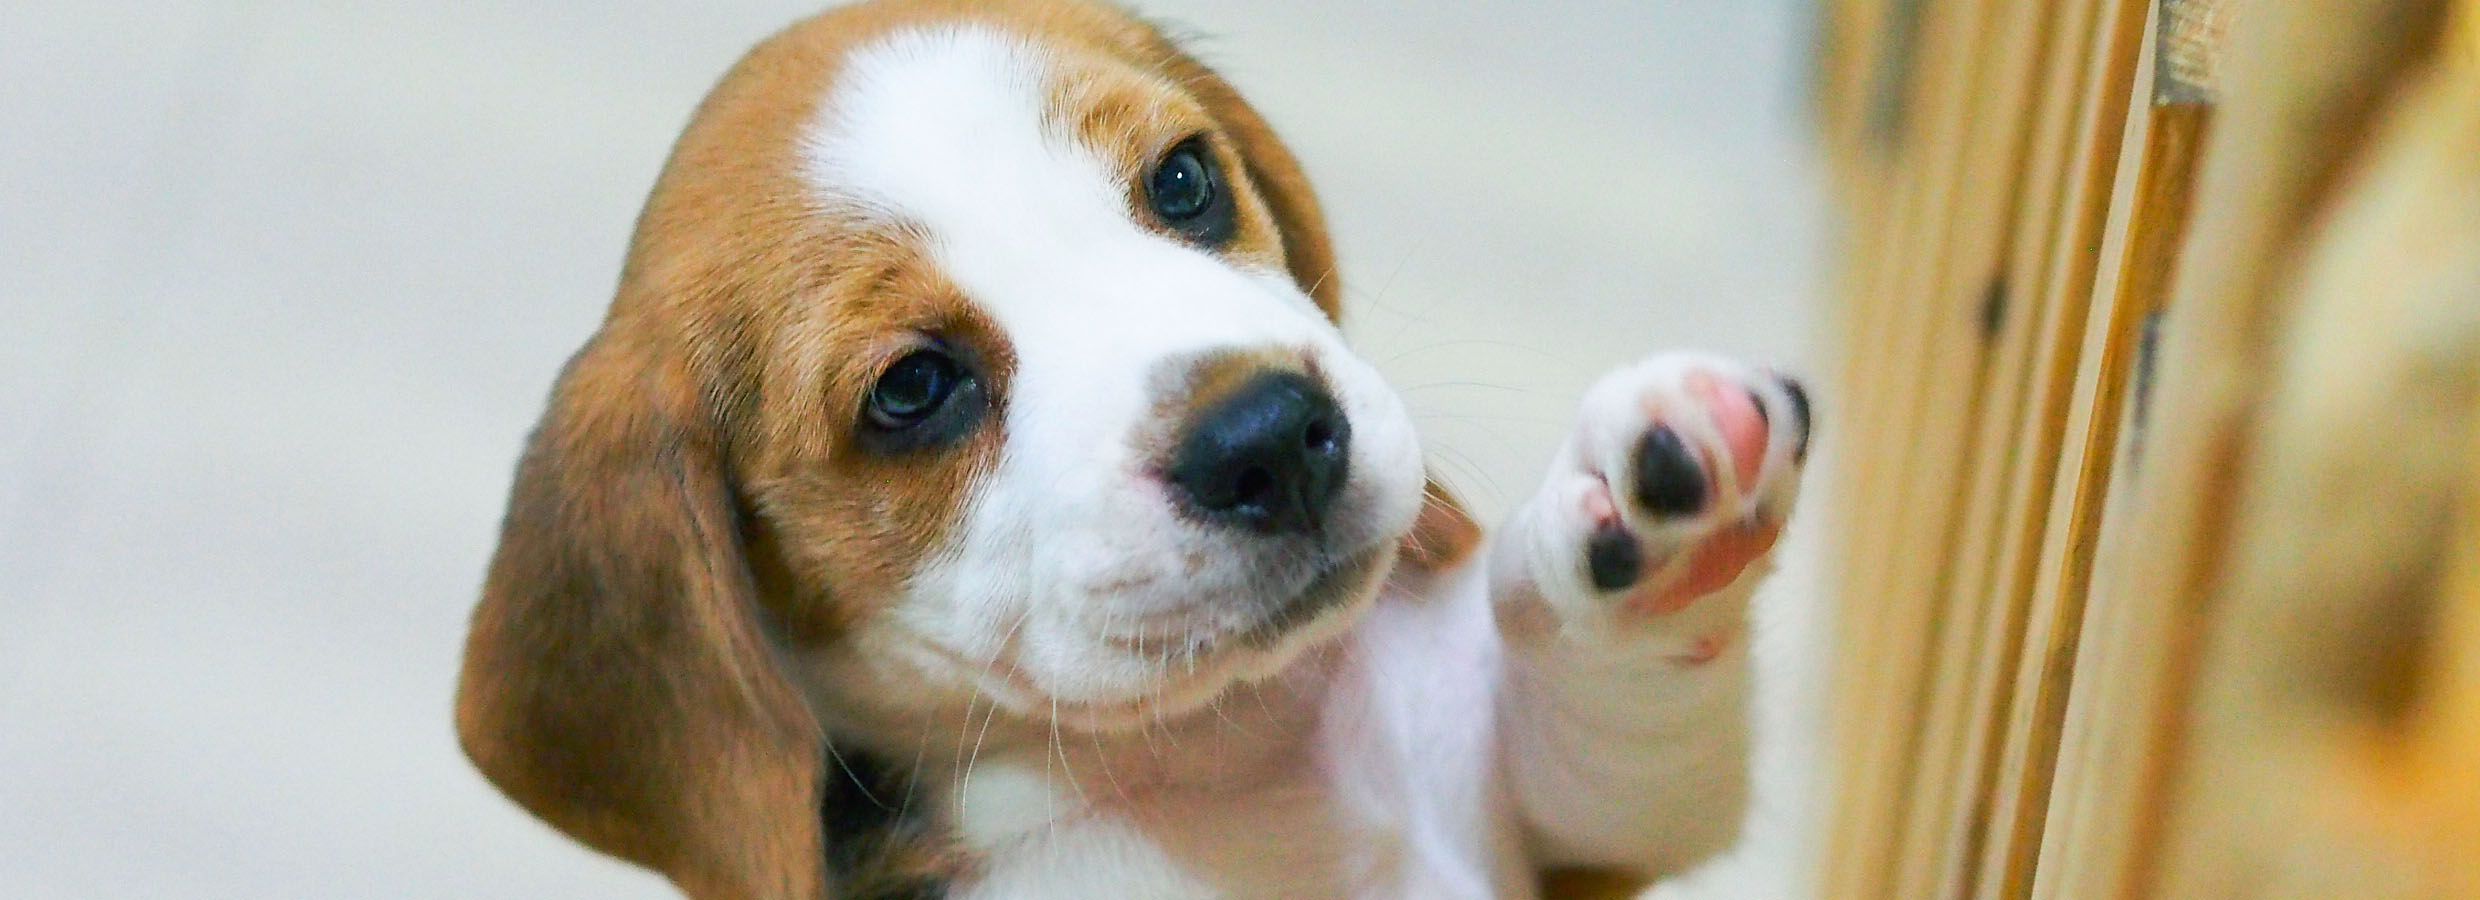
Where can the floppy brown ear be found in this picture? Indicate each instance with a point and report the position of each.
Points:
(616, 681)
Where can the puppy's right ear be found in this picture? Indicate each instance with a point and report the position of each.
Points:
(617, 682)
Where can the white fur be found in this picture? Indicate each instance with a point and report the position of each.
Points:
(1362, 755)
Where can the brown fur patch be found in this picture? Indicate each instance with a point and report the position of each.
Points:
(1132, 119)
(1272, 171)
(1589, 884)
(1186, 387)
(847, 523)
(1183, 389)
(616, 682)
(1443, 535)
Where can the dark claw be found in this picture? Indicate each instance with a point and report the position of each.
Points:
(1799, 417)
(1668, 480)
(1614, 558)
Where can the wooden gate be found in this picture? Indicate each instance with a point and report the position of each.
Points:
(2160, 457)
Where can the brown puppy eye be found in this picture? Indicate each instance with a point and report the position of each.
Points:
(913, 389)
(1186, 192)
(930, 398)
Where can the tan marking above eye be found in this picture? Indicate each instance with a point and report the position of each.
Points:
(851, 524)
(1132, 119)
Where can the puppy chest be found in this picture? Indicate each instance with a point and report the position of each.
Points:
(1086, 835)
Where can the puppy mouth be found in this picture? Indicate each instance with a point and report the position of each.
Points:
(1336, 585)
(1194, 668)
(1338, 582)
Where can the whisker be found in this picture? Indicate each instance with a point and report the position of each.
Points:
(1479, 342)
(1066, 767)
(964, 782)
(912, 778)
(1257, 690)
(854, 777)
(1434, 385)
(959, 772)
(1102, 758)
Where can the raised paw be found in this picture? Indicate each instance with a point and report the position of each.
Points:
(1675, 483)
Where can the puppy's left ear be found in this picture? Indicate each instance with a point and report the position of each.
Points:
(618, 682)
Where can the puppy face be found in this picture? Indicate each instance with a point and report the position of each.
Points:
(1141, 461)
(1039, 406)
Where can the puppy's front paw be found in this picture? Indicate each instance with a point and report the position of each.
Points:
(1674, 485)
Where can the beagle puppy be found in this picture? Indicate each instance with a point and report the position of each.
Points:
(970, 494)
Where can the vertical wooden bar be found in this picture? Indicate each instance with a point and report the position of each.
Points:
(1884, 640)
(2329, 671)
(2064, 470)
(2155, 412)
(2311, 70)
(1995, 341)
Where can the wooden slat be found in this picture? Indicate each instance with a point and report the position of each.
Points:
(2312, 70)
(2315, 771)
(2064, 470)
(1887, 403)
(1902, 602)
(2078, 549)
(1985, 259)
(1853, 42)
(2442, 767)
(2060, 568)
(2446, 728)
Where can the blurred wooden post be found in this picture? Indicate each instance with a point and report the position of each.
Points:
(2068, 557)
(2323, 758)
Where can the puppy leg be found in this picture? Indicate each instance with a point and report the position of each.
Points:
(1622, 590)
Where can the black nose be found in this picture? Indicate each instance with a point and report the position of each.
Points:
(1270, 457)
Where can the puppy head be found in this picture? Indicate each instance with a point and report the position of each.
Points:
(1140, 460)
(981, 352)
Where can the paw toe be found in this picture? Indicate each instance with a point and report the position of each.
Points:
(1614, 558)
(1739, 420)
(1669, 480)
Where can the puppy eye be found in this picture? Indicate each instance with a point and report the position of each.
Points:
(1186, 192)
(1182, 186)
(913, 389)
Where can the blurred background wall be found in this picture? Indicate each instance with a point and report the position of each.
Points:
(282, 285)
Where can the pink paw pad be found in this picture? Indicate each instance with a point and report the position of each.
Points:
(1710, 567)
(1742, 423)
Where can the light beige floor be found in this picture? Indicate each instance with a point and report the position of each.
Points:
(282, 283)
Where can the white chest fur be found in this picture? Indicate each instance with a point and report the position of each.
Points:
(1369, 773)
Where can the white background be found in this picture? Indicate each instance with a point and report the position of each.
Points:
(282, 284)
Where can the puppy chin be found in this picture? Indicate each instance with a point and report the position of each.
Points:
(1140, 688)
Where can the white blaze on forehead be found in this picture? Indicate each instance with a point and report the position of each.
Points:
(952, 132)
(924, 124)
